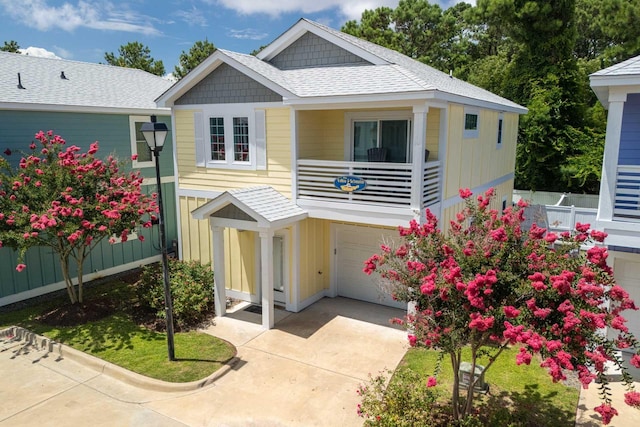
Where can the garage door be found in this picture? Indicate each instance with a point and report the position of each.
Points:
(354, 245)
(627, 274)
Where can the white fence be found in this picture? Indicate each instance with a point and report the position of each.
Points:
(565, 218)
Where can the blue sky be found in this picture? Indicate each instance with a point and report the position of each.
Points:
(84, 30)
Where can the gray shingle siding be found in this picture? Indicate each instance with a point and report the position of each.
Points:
(226, 85)
(313, 51)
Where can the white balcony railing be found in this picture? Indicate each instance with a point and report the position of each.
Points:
(627, 199)
(388, 184)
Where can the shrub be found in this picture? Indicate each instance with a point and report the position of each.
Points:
(406, 401)
(191, 290)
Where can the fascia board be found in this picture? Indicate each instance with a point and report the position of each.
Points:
(84, 109)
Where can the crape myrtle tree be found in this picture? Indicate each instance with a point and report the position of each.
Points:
(487, 284)
(69, 201)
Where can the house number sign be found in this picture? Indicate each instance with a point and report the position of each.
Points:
(349, 183)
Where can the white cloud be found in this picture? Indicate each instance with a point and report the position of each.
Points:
(348, 9)
(39, 52)
(101, 15)
(247, 34)
(66, 54)
(192, 17)
(170, 77)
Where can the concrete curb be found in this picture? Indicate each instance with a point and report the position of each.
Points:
(40, 343)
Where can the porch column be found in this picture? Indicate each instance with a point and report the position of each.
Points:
(266, 254)
(610, 160)
(220, 295)
(417, 149)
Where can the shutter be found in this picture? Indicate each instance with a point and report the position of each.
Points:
(198, 132)
(261, 140)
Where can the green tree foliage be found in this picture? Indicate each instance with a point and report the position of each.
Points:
(538, 53)
(190, 60)
(10, 46)
(68, 201)
(135, 55)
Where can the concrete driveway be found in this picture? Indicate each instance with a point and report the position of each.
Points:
(305, 372)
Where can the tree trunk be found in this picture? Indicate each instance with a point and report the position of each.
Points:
(455, 396)
(64, 263)
(80, 261)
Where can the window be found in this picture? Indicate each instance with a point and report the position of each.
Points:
(216, 132)
(139, 145)
(241, 139)
(471, 124)
(500, 125)
(229, 133)
(383, 139)
(230, 136)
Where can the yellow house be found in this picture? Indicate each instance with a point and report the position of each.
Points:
(292, 166)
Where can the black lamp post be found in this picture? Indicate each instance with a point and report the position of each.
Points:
(155, 134)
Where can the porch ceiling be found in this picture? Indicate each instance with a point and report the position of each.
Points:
(268, 208)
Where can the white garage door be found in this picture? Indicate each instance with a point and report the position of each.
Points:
(627, 274)
(354, 245)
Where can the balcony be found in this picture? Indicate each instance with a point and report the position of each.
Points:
(627, 194)
(387, 184)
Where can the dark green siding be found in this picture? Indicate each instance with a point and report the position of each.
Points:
(17, 130)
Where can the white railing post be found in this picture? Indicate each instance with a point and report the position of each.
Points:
(611, 150)
(419, 141)
(572, 220)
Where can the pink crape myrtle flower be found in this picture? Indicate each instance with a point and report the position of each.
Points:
(432, 382)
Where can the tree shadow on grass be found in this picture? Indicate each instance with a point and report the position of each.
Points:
(529, 408)
(114, 332)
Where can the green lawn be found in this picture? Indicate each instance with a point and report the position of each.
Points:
(519, 395)
(119, 340)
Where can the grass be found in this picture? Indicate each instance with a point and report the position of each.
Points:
(119, 340)
(519, 395)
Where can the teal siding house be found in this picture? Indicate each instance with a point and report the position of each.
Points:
(83, 103)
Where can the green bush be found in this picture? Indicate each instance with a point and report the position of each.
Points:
(191, 290)
(405, 401)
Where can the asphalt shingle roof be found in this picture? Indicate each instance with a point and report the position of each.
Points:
(267, 202)
(629, 67)
(86, 84)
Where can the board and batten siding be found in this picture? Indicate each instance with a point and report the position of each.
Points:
(472, 162)
(321, 135)
(197, 245)
(81, 129)
(43, 273)
(277, 173)
(315, 267)
(629, 153)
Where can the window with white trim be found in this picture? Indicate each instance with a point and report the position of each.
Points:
(139, 148)
(230, 136)
(500, 131)
(471, 123)
(379, 136)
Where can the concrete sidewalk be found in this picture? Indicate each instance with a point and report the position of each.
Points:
(302, 373)
(305, 372)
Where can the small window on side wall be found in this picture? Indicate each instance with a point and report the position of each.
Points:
(471, 123)
(500, 130)
(139, 147)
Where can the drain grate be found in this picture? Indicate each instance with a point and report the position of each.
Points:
(254, 309)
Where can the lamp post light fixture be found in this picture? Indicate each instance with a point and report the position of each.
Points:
(155, 134)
